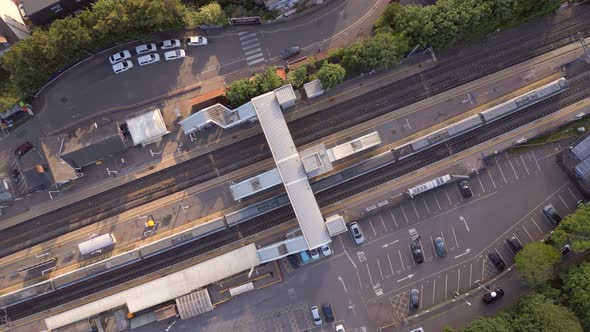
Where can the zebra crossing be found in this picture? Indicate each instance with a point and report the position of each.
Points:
(251, 47)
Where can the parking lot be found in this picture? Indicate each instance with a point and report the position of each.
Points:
(368, 285)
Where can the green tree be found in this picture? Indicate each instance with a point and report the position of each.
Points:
(535, 313)
(212, 14)
(268, 80)
(577, 288)
(297, 77)
(384, 50)
(241, 91)
(535, 263)
(498, 323)
(575, 230)
(331, 74)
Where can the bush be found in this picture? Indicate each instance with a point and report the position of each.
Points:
(535, 263)
(241, 91)
(267, 81)
(331, 74)
(297, 77)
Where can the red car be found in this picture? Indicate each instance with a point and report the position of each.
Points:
(23, 148)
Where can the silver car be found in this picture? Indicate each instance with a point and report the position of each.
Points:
(146, 48)
(356, 233)
(147, 59)
(120, 67)
(315, 315)
(119, 56)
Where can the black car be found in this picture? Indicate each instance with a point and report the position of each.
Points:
(492, 296)
(565, 250)
(439, 246)
(293, 261)
(551, 214)
(465, 189)
(327, 310)
(497, 261)
(514, 244)
(417, 253)
(290, 51)
(414, 299)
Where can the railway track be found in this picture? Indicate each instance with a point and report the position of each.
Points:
(477, 61)
(579, 89)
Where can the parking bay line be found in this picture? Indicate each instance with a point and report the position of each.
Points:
(383, 222)
(564, 203)
(536, 161)
(539, 228)
(455, 235)
(426, 205)
(436, 199)
(401, 259)
(373, 227)
(415, 210)
(380, 271)
(446, 284)
(458, 279)
(390, 265)
(393, 217)
(572, 193)
(511, 166)
(500, 168)
(434, 292)
(524, 164)
(404, 212)
(370, 277)
(448, 197)
(491, 178)
(527, 233)
(480, 184)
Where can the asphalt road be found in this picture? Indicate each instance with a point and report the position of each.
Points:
(368, 285)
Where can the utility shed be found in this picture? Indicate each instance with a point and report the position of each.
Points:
(147, 128)
(336, 225)
(286, 96)
(313, 89)
(281, 249)
(89, 144)
(97, 243)
(193, 304)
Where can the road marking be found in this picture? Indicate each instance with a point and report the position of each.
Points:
(252, 57)
(347, 255)
(253, 62)
(421, 293)
(415, 210)
(458, 279)
(436, 199)
(527, 233)
(380, 271)
(408, 122)
(242, 37)
(536, 161)
(572, 193)
(470, 274)
(524, 164)
(443, 237)
(511, 166)
(509, 248)
(433, 292)
(448, 197)
(534, 222)
(343, 285)
(500, 168)
(564, 203)
(409, 276)
(369, 272)
(393, 217)
(250, 52)
(467, 251)
(426, 205)
(491, 178)
(383, 222)
(455, 236)
(514, 234)
(401, 259)
(404, 212)
(465, 222)
(483, 267)
(446, 284)
(413, 262)
(498, 252)
(390, 243)
(390, 265)
(433, 248)
(248, 42)
(372, 227)
(245, 48)
(480, 183)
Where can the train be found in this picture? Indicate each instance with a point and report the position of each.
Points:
(478, 120)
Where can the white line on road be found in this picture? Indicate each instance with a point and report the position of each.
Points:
(564, 203)
(426, 205)
(404, 212)
(242, 37)
(415, 210)
(390, 265)
(436, 199)
(455, 236)
(446, 284)
(470, 274)
(252, 57)
(408, 122)
(372, 227)
(390, 243)
(343, 285)
(393, 217)
(458, 279)
(500, 168)
(383, 222)
(422, 293)
(497, 252)
(433, 291)
(511, 166)
(527, 233)
(248, 42)
(401, 259)
(369, 272)
(448, 197)
(536, 161)
(572, 193)
(465, 222)
(380, 271)
(443, 237)
(491, 178)
(253, 62)
(250, 52)
(480, 183)
(539, 228)
(524, 164)
(483, 267)
(433, 248)
(514, 234)
(346, 252)
(247, 47)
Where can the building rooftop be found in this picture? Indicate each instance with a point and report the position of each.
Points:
(147, 128)
(33, 6)
(86, 145)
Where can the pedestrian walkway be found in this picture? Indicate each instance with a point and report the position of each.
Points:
(251, 47)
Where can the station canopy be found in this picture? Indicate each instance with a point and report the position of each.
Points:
(147, 128)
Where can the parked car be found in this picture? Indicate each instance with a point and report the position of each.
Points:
(315, 314)
(492, 296)
(514, 244)
(440, 247)
(23, 148)
(418, 330)
(465, 189)
(293, 261)
(565, 250)
(146, 48)
(414, 299)
(326, 249)
(314, 253)
(356, 233)
(196, 41)
(290, 51)
(497, 261)
(119, 56)
(417, 253)
(148, 59)
(340, 328)
(168, 44)
(551, 214)
(304, 257)
(173, 55)
(327, 310)
(122, 66)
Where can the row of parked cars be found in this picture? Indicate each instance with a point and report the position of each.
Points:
(121, 61)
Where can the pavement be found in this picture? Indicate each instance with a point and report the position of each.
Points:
(204, 202)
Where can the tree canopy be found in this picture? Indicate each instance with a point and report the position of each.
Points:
(577, 289)
(535, 313)
(297, 77)
(497, 323)
(241, 91)
(331, 74)
(574, 229)
(536, 261)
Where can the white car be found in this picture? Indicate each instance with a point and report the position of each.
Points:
(173, 55)
(315, 314)
(146, 48)
(120, 56)
(326, 250)
(147, 59)
(340, 328)
(315, 254)
(122, 66)
(196, 41)
(168, 44)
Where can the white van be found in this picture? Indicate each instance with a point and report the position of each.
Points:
(147, 59)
